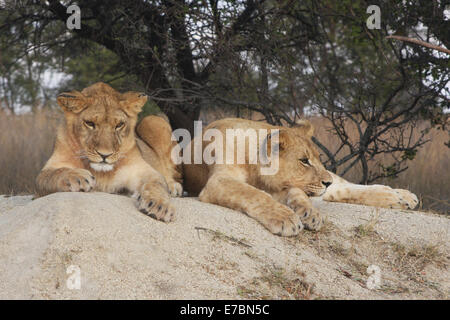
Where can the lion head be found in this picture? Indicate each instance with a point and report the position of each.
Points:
(100, 123)
(299, 162)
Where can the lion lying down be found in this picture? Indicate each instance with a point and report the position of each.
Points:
(96, 149)
(281, 201)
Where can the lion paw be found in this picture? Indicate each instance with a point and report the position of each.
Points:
(283, 222)
(159, 209)
(386, 197)
(407, 199)
(301, 205)
(77, 180)
(175, 188)
(310, 217)
(313, 220)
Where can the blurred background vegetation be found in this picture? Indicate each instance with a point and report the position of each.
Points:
(380, 105)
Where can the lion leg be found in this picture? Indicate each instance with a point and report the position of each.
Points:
(154, 200)
(149, 188)
(297, 200)
(369, 195)
(228, 191)
(51, 180)
(156, 132)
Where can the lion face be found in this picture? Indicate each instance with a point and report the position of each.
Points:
(101, 121)
(299, 162)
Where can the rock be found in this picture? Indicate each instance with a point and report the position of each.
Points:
(211, 252)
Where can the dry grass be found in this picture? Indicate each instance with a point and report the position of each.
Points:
(217, 235)
(415, 258)
(26, 142)
(276, 283)
(406, 267)
(368, 228)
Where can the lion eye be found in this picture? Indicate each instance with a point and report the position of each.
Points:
(120, 125)
(305, 161)
(89, 124)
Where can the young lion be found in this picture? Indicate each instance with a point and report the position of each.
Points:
(96, 150)
(281, 201)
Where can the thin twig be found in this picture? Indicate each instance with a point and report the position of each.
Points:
(420, 42)
(220, 235)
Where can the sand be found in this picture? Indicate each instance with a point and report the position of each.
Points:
(210, 252)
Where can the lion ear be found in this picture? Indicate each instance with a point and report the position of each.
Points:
(284, 139)
(73, 101)
(278, 139)
(305, 127)
(132, 102)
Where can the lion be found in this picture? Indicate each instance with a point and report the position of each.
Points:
(96, 149)
(280, 202)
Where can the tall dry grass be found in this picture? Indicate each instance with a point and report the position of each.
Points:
(26, 142)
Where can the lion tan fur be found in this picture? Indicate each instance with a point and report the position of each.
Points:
(96, 150)
(281, 201)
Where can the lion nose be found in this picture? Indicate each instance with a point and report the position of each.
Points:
(104, 155)
(326, 183)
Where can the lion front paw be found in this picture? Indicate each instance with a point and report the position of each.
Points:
(386, 197)
(282, 221)
(159, 209)
(407, 199)
(76, 180)
(310, 217)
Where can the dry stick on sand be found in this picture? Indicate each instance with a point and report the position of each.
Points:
(419, 42)
(220, 235)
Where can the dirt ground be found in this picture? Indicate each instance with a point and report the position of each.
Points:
(211, 252)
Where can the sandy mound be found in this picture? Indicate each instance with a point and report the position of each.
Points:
(211, 252)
